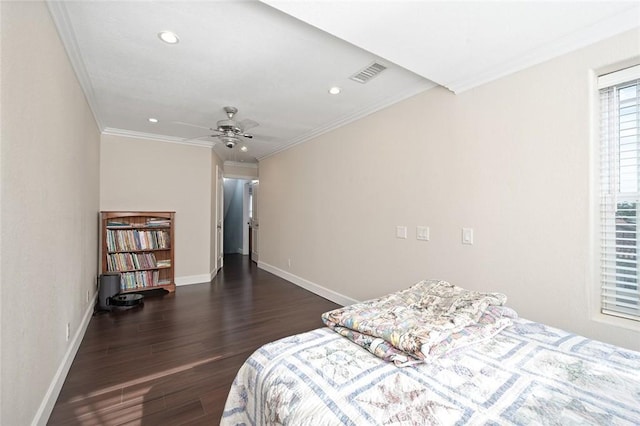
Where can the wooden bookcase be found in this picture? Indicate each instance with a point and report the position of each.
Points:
(139, 245)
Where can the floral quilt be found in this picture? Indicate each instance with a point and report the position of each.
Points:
(528, 374)
(426, 321)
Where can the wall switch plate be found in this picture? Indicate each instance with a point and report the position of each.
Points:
(467, 236)
(401, 232)
(422, 233)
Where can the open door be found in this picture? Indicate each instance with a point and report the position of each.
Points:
(246, 226)
(254, 223)
(220, 219)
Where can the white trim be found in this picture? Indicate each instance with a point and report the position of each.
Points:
(67, 35)
(321, 291)
(239, 164)
(155, 137)
(356, 116)
(51, 396)
(611, 177)
(593, 258)
(248, 178)
(250, 173)
(604, 29)
(194, 279)
(618, 77)
(245, 218)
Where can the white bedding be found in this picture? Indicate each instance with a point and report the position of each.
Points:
(527, 374)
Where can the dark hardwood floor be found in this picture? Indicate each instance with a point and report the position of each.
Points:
(172, 361)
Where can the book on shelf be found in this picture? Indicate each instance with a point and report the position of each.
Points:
(134, 239)
(115, 224)
(164, 263)
(158, 221)
(130, 261)
(139, 279)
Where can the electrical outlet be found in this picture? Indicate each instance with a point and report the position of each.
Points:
(289, 263)
(68, 332)
(87, 296)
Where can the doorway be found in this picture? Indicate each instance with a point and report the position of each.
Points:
(236, 216)
(254, 224)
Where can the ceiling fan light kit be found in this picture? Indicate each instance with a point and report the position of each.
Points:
(230, 131)
(229, 141)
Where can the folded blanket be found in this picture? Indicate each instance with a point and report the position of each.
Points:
(426, 321)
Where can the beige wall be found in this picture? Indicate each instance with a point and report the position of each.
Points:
(141, 174)
(237, 170)
(49, 156)
(511, 159)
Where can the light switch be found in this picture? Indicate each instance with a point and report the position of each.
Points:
(422, 233)
(467, 236)
(401, 232)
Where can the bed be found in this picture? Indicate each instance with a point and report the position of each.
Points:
(376, 363)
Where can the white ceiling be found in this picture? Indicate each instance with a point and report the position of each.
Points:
(276, 60)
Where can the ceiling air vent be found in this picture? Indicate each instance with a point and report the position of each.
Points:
(368, 73)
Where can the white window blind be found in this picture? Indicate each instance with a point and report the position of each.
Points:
(620, 192)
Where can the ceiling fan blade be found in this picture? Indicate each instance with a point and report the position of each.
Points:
(193, 125)
(247, 135)
(201, 138)
(247, 124)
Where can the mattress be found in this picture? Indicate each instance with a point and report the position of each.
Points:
(529, 373)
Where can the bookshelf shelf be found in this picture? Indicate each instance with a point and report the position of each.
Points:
(139, 245)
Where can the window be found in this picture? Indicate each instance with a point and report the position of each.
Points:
(620, 192)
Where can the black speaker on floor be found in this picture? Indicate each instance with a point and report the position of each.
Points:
(109, 287)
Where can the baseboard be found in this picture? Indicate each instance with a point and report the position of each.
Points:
(321, 291)
(50, 398)
(49, 401)
(194, 279)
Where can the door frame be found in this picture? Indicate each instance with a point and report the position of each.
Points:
(219, 218)
(246, 228)
(255, 222)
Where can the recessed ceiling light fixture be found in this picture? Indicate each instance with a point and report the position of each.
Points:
(168, 37)
(243, 148)
(153, 120)
(334, 90)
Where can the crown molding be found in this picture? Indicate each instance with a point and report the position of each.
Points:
(353, 117)
(154, 137)
(70, 44)
(607, 28)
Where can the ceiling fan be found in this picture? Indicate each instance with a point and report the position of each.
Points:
(229, 131)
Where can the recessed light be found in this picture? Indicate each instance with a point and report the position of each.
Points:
(243, 148)
(153, 120)
(168, 37)
(334, 90)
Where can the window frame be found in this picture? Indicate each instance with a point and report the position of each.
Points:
(612, 79)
